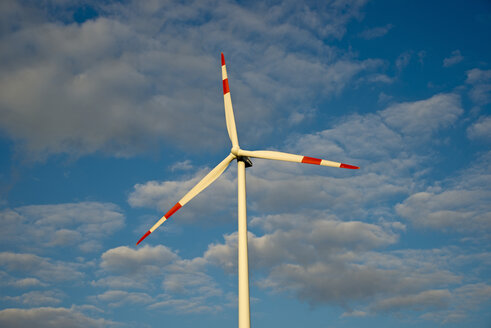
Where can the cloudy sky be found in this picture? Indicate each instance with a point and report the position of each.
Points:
(110, 111)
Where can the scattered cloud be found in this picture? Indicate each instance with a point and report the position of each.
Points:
(403, 60)
(455, 58)
(464, 301)
(38, 298)
(26, 283)
(299, 239)
(481, 129)
(459, 204)
(315, 267)
(384, 98)
(376, 32)
(425, 116)
(118, 298)
(480, 81)
(185, 286)
(81, 225)
(386, 137)
(144, 260)
(182, 166)
(354, 313)
(136, 74)
(162, 195)
(381, 78)
(423, 301)
(301, 115)
(476, 75)
(111, 84)
(45, 269)
(421, 56)
(295, 249)
(49, 317)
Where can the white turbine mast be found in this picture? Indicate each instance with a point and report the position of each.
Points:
(243, 161)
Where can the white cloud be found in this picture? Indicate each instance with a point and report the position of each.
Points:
(27, 282)
(376, 32)
(476, 75)
(423, 301)
(320, 260)
(186, 306)
(80, 225)
(481, 93)
(185, 286)
(403, 60)
(188, 289)
(38, 298)
(456, 209)
(302, 243)
(455, 58)
(143, 260)
(386, 137)
(182, 166)
(421, 56)
(188, 277)
(472, 296)
(425, 116)
(43, 268)
(117, 298)
(465, 300)
(119, 282)
(163, 195)
(317, 257)
(301, 115)
(481, 129)
(460, 204)
(354, 313)
(49, 317)
(112, 84)
(299, 239)
(480, 81)
(381, 78)
(339, 266)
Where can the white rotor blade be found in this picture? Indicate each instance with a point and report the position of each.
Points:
(276, 155)
(229, 111)
(205, 182)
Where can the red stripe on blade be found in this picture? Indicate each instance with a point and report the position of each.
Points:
(223, 59)
(225, 87)
(173, 210)
(347, 166)
(311, 160)
(144, 236)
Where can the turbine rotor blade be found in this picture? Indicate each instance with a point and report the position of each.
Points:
(199, 187)
(279, 156)
(229, 111)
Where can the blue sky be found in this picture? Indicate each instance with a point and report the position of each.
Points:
(111, 111)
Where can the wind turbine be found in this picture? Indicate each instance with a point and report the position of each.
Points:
(243, 161)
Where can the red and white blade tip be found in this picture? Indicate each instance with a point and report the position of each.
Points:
(223, 59)
(318, 161)
(347, 166)
(144, 236)
(162, 220)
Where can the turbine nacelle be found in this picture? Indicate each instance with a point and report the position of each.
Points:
(247, 161)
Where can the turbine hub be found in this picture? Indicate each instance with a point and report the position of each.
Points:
(235, 150)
